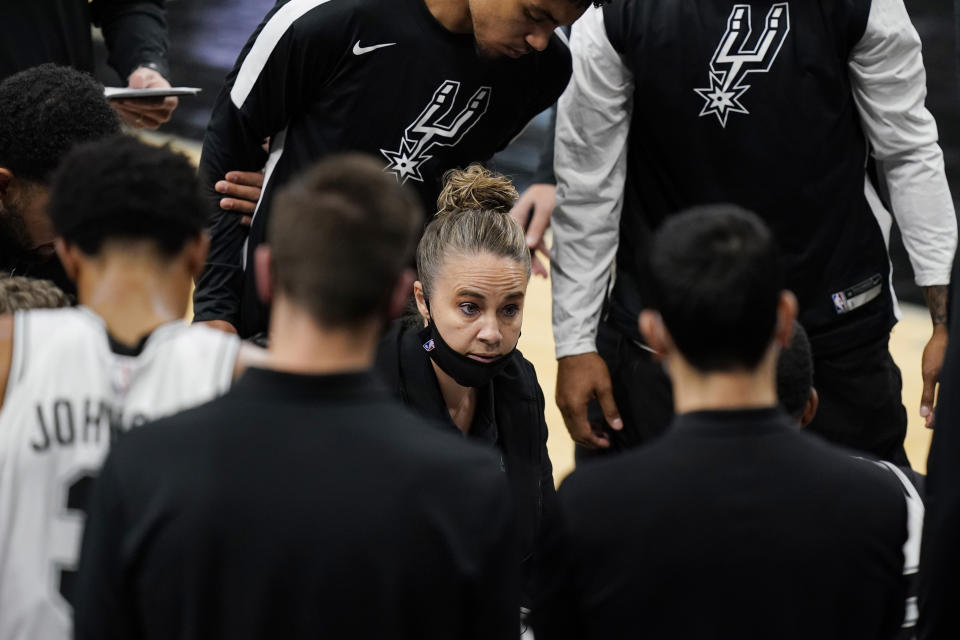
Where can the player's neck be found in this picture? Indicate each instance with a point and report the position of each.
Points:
(298, 344)
(134, 295)
(454, 15)
(698, 391)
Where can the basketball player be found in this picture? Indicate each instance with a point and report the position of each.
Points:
(306, 503)
(739, 525)
(799, 400)
(424, 85)
(44, 112)
(129, 221)
(940, 554)
(774, 106)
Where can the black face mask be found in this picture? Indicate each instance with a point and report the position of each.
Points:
(464, 370)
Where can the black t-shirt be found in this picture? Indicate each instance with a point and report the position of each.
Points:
(298, 507)
(734, 524)
(752, 104)
(377, 76)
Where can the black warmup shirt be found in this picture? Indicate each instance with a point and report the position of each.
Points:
(734, 524)
(378, 76)
(298, 507)
(776, 131)
(33, 32)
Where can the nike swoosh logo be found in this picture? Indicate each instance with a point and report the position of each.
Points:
(359, 51)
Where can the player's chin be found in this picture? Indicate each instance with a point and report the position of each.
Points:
(493, 51)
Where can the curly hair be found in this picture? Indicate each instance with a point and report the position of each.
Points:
(18, 293)
(44, 112)
(122, 188)
(476, 187)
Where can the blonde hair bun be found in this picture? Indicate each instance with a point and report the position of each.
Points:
(476, 188)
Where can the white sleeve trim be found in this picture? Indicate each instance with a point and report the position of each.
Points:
(264, 45)
(888, 80)
(593, 121)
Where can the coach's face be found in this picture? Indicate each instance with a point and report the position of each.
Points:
(477, 304)
(512, 28)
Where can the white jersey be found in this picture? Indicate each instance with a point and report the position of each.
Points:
(68, 397)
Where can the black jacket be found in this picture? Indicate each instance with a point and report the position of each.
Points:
(520, 433)
(940, 553)
(33, 32)
(298, 506)
(734, 524)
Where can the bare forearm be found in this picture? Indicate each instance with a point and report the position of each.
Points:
(936, 298)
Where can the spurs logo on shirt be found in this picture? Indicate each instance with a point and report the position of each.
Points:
(433, 127)
(734, 60)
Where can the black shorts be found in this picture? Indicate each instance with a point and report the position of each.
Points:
(860, 403)
(641, 390)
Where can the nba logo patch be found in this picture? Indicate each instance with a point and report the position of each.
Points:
(428, 345)
(120, 379)
(840, 302)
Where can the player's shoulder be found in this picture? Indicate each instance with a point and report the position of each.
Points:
(39, 331)
(313, 17)
(421, 438)
(178, 341)
(168, 439)
(640, 468)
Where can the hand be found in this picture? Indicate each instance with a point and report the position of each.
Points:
(930, 368)
(219, 325)
(242, 189)
(582, 378)
(145, 113)
(538, 199)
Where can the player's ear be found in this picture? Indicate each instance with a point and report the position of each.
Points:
(810, 410)
(263, 273)
(69, 256)
(786, 315)
(655, 332)
(401, 293)
(6, 179)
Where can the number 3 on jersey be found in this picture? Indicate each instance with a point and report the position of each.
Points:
(76, 500)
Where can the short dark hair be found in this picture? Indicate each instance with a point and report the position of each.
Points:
(795, 373)
(44, 112)
(122, 188)
(715, 279)
(341, 234)
(19, 293)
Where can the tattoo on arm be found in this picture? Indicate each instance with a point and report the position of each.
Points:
(936, 299)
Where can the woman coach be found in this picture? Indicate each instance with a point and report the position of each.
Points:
(456, 358)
